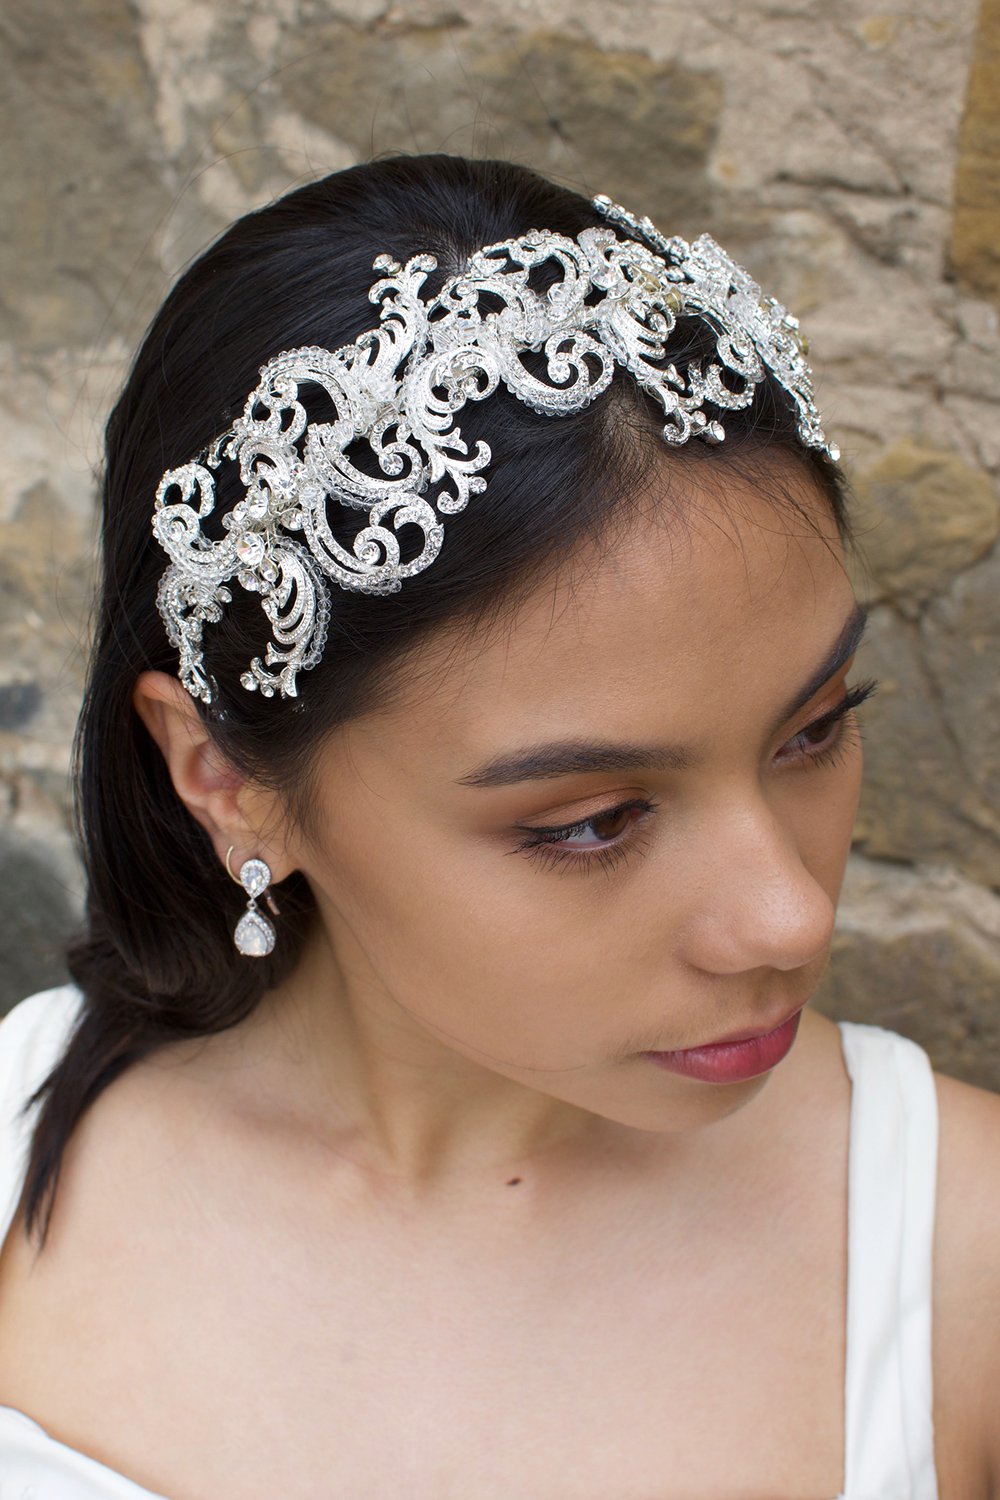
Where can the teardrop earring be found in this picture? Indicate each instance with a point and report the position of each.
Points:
(255, 935)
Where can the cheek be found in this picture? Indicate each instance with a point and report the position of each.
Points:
(824, 821)
(498, 953)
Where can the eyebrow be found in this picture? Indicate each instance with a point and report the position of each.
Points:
(575, 757)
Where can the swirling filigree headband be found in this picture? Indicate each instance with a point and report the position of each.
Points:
(399, 389)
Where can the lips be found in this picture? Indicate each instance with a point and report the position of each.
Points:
(735, 1058)
(749, 1034)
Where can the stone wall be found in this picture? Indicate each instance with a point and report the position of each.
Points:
(849, 156)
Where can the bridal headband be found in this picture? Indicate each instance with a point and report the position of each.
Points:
(399, 389)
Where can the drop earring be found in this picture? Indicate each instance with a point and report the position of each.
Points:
(254, 936)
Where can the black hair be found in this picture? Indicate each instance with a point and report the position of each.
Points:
(154, 956)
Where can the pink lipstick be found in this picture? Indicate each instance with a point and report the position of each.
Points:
(735, 1059)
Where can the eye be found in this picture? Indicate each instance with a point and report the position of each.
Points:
(603, 840)
(824, 740)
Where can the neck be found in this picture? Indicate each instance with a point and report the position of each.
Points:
(407, 1107)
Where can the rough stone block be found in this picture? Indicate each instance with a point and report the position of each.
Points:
(923, 516)
(918, 951)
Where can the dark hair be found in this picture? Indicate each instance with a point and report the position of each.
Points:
(154, 956)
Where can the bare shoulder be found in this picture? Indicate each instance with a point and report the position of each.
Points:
(127, 1198)
(968, 1217)
(966, 1315)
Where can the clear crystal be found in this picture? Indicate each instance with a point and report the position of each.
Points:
(250, 548)
(254, 935)
(255, 876)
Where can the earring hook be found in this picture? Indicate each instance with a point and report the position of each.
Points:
(267, 894)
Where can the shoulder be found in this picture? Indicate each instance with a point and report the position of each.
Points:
(968, 1206)
(966, 1253)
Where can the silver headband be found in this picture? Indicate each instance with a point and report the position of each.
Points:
(399, 389)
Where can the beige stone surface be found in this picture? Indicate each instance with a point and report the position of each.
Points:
(918, 950)
(923, 517)
(929, 793)
(975, 241)
(536, 94)
(847, 154)
(82, 189)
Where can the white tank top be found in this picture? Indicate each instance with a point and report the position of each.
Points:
(888, 1440)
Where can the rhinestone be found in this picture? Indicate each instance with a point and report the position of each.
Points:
(255, 877)
(250, 548)
(254, 935)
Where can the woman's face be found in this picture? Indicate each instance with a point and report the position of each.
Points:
(660, 707)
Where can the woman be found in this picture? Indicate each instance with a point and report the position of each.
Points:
(479, 1141)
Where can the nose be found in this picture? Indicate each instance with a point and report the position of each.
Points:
(752, 901)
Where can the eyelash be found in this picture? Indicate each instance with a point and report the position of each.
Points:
(545, 847)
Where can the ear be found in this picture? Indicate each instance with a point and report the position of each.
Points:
(229, 809)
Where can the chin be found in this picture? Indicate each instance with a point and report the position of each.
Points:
(683, 1103)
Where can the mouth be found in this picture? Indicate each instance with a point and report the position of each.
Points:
(736, 1057)
(750, 1033)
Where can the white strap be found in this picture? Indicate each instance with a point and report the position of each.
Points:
(889, 1434)
(34, 1466)
(32, 1037)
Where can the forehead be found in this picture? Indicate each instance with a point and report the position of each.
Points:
(694, 594)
